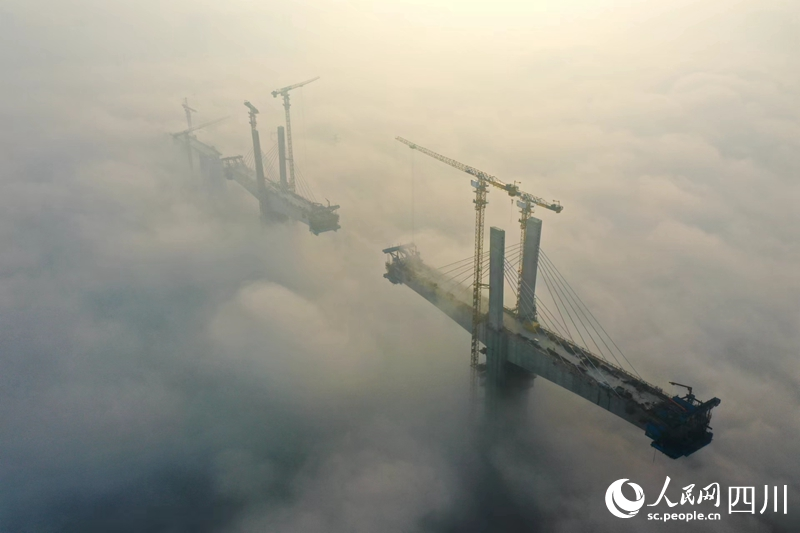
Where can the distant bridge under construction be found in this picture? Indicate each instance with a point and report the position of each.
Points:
(282, 197)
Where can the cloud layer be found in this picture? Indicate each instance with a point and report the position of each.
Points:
(169, 365)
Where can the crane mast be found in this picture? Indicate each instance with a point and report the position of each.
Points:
(477, 285)
(189, 112)
(290, 155)
(526, 205)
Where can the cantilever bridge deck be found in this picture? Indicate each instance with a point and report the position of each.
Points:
(678, 428)
(284, 203)
(278, 201)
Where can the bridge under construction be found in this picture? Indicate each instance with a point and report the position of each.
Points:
(535, 339)
(561, 341)
(281, 198)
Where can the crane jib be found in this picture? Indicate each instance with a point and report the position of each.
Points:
(511, 189)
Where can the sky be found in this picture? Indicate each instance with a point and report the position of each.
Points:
(171, 365)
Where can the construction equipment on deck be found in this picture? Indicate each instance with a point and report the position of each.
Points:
(687, 387)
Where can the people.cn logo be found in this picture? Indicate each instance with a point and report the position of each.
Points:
(621, 506)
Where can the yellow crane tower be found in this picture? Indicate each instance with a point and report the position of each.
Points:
(525, 203)
(290, 156)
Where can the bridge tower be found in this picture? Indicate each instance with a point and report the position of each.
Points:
(506, 385)
(526, 203)
(261, 182)
(528, 268)
(518, 347)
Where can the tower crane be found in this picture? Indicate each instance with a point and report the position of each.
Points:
(526, 202)
(285, 93)
(189, 112)
(190, 129)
